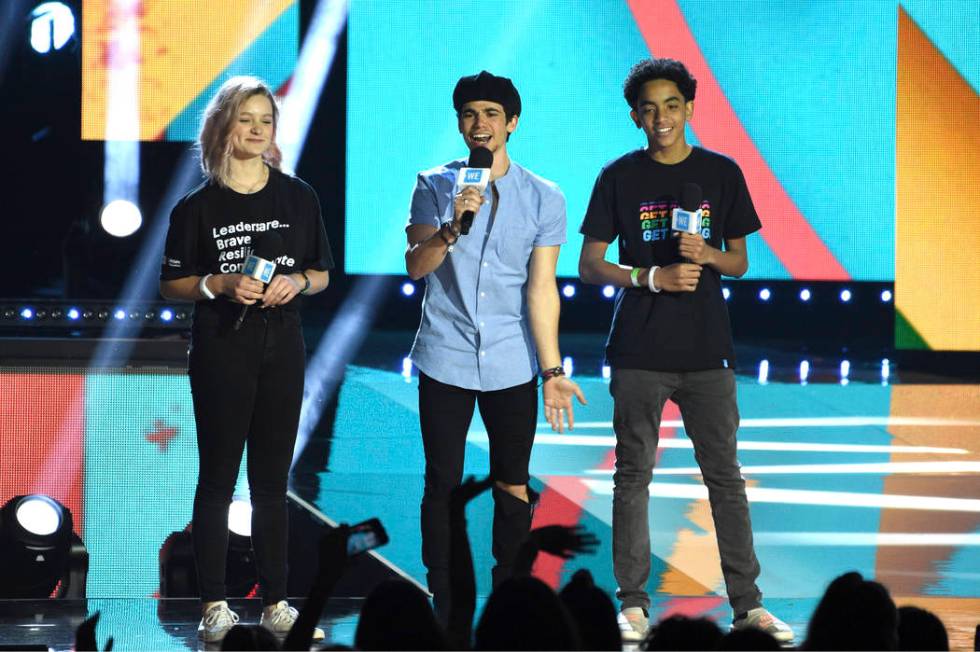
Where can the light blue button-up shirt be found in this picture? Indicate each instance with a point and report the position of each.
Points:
(475, 332)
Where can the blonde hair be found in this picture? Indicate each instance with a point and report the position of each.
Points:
(219, 118)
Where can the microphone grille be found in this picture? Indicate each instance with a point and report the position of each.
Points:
(691, 195)
(267, 245)
(480, 157)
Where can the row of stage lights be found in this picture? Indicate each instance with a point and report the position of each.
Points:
(763, 371)
(32, 314)
(764, 295)
(844, 374)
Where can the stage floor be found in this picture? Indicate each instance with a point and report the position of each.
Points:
(870, 471)
(871, 476)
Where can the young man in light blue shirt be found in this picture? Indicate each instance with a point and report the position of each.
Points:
(489, 324)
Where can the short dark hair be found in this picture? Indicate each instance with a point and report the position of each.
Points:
(650, 69)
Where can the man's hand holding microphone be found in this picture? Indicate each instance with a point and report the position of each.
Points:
(468, 201)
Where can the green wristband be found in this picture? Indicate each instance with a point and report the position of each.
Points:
(635, 277)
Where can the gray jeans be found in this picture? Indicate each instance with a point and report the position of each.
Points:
(708, 406)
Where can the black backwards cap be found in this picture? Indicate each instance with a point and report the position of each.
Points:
(488, 88)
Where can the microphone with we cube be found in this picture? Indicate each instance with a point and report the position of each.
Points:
(476, 174)
(686, 218)
(261, 263)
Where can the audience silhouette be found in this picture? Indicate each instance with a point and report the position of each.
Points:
(524, 613)
(593, 611)
(683, 633)
(919, 629)
(397, 616)
(854, 614)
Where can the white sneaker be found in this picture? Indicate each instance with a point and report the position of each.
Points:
(280, 618)
(762, 619)
(633, 623)
(217, 620)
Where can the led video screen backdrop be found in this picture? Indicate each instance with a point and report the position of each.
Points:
(118, 449)
(169, 58)
(801, 95)
(937, 279)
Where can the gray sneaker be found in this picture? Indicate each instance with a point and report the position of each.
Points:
(633, 623)
(759, 618)
(281, 618)
(217, 620)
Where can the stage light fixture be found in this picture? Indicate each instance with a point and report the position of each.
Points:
(40, 555)
(73, 314)
(178, 573)
(886, 296)
(568, 365)
(27, 313)
(40, 313)
(763, 372)
(804, 371)
(568, 290)
(407, 368)
(606, 372)
(52, 24)
(845, 371)
(805, 295)
(119, 314)
(240, 517)
(121, 218)
(166, 314)
(765, 294)
(608, 291)
(408, 289)
(886, 370)
(845, 295)
(39, 515)
(725, 292)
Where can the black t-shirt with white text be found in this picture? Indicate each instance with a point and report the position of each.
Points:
(633, 200)
(212, 230)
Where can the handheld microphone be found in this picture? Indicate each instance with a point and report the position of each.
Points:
(476, 173)
(687, 217)
(260, 264)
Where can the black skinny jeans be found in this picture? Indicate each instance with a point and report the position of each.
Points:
(247, 386)
(445, 412)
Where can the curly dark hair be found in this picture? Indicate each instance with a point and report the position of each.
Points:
(650, 69)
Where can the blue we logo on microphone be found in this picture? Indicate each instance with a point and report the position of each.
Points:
(683, 221)
(259, 269)
(473, 176)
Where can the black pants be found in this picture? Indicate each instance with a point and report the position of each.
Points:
(247, 386)
(445, 412)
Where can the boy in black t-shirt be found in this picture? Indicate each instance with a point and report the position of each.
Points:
(670, 337)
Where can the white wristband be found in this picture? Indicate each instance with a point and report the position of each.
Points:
(203, 287)
(650, 283)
